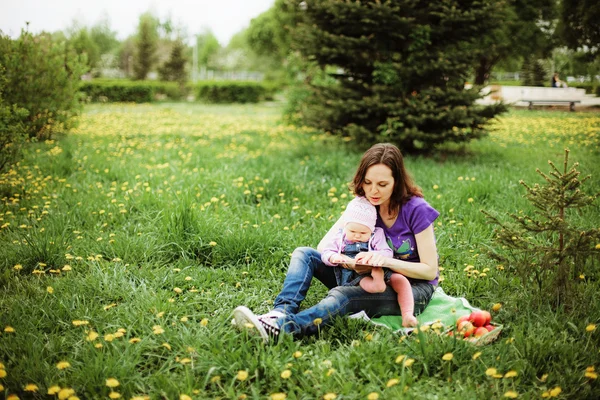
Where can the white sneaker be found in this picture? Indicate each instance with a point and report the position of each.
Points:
(266, 328)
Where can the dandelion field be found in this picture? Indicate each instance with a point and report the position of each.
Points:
(125, 246)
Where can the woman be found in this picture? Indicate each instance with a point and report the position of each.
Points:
(407, 220)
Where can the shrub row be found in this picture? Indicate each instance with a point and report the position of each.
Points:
(148, 91)
(590, 87)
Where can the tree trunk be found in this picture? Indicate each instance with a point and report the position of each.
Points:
(483, 71)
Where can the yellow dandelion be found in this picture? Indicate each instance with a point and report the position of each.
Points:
(185, 361)
(297, 354)
(9, 329)
(409, 362)
(470, 200)
(590, 328)
(63, 365)
(78, 322)
(285, 374)
(588, 374)
(392, 382)
(278, 396)
(2, 373)
(166, 346)
(447, 357)
(213, 244)
(554, 392)
(18, 267)
(204, 322)
(330, 371)
(109, 306)
(215, 379)
(12, 397)
(112, 382)
(373, 396)
(98, 345)
(330, 396)
(92, 336)
(242, 375)
(65, 393)
(510, 374)
(183, 319)
(109, 337)
(511, 394)
(184, 397)
(114, 395)
(135, 340)
(50, 289)
(66, 268)
(491, 371)
(476, 355)
(177, 290)
(31, 387)
(157, 330)
(400, 358)
(318, 321)
(52, 390)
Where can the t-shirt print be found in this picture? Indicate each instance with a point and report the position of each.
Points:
(405, 251)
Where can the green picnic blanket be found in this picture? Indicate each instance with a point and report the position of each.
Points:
(442, 308)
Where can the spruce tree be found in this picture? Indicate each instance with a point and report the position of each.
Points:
(394, 71)
(548, 248)
(174, 68)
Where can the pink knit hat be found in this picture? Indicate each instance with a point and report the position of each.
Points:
(359, 210)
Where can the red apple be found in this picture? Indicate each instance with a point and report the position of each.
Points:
(466, 328)
(490, 327)
(480, 318)
(461, 319)
(480, 331)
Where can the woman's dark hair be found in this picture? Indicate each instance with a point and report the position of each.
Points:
(389, 155)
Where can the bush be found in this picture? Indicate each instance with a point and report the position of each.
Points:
(233, 92)
(12, 130)
(42, 77)
(101, 90)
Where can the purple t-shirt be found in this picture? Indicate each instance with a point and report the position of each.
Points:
(415, 216)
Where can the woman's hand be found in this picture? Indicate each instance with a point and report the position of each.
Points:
(370, 258)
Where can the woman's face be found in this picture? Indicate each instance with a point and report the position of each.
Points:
(378, 184)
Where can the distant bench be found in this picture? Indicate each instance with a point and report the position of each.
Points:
(547, 101)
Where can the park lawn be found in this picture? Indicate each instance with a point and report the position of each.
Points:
(125, 246)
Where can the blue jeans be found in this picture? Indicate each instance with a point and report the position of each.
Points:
(341, 300)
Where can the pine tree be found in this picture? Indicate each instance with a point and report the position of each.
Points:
(394, 71)
(547, 248)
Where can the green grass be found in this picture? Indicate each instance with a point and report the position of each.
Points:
(171, 215)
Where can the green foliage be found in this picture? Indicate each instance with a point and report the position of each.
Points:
(84, 45)
(399, 70)
(578, 25)
(12, 131)
(145, 45)
(208, 47)
(517, 29)
(174, 68)
(533, 72)
(42, 77)
(100, 90)
(548, 248)
(232, 92)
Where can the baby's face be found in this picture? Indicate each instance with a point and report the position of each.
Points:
(356, 232)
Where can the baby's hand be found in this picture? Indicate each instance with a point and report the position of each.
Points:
(338, 259)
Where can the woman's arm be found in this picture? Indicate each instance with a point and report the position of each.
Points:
(427, 269)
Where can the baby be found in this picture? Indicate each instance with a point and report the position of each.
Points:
(360, 235)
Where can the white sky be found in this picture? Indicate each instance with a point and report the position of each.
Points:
(223, 17)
